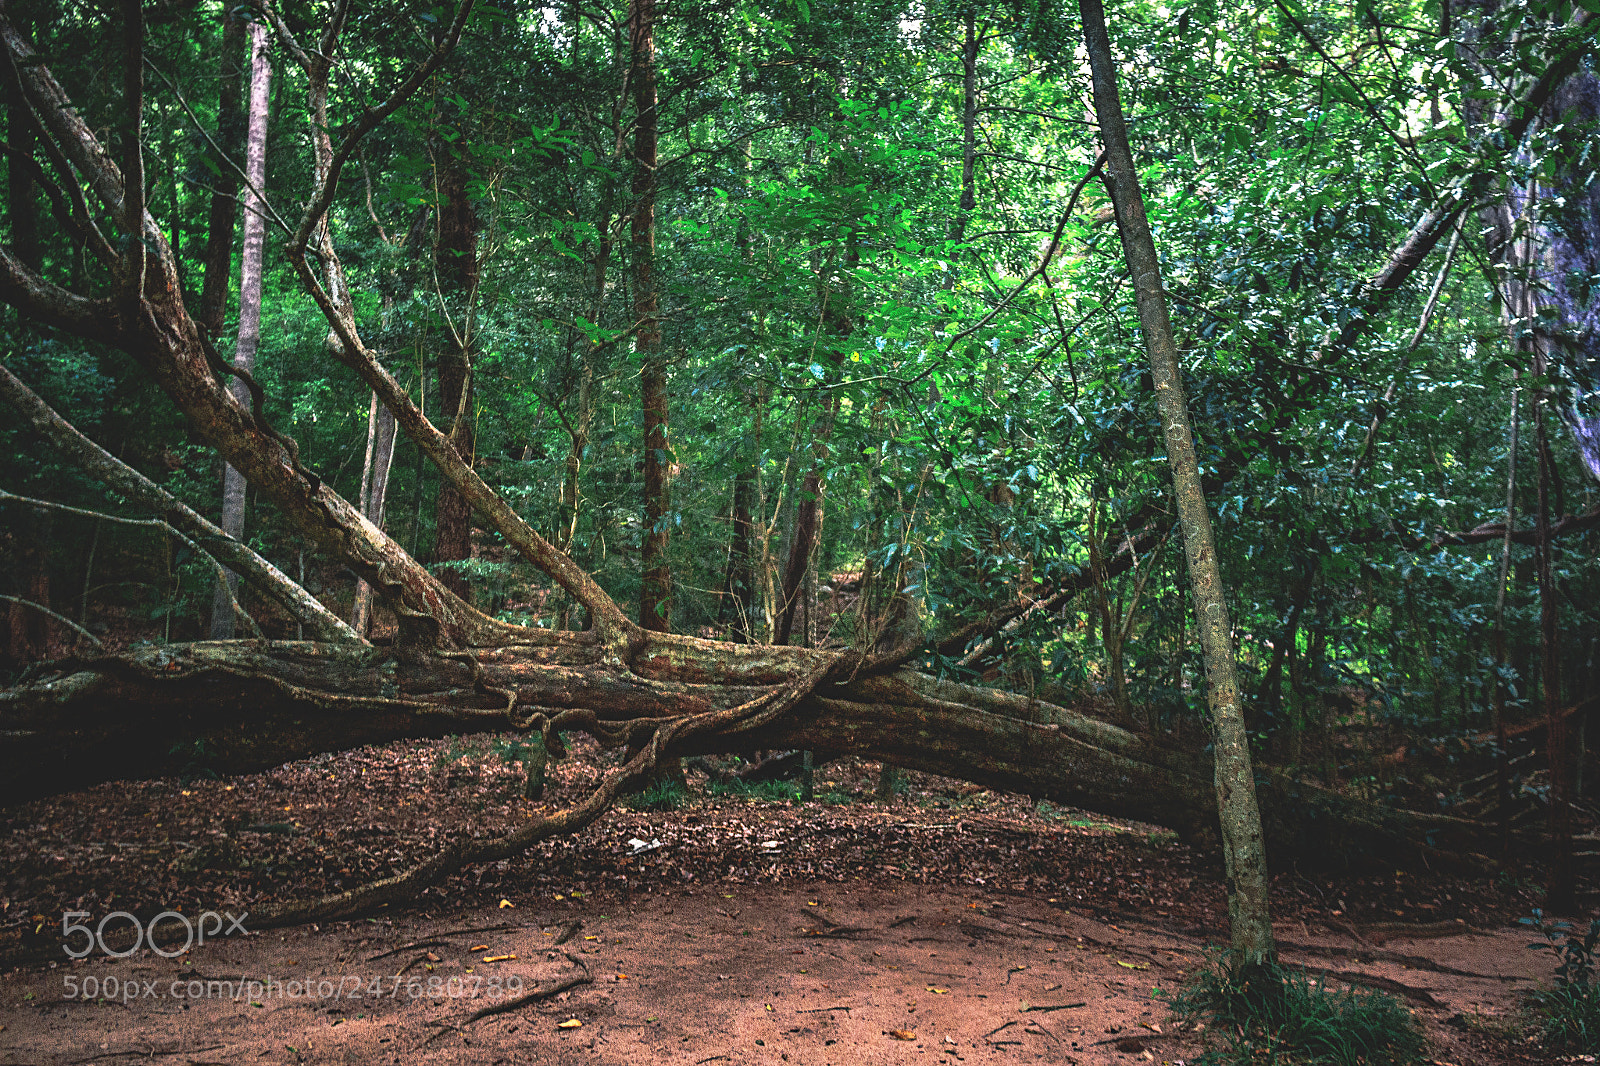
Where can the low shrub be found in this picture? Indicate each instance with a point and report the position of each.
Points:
(1271, 1015)
(1567, 1016)
(664, 795)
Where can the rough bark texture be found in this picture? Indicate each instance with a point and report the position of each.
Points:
(225, 188)
(1243, 847)
(262, 576)
(374, 496)
(456, 264)
(259, 703)
(655, 592)
(250, 273)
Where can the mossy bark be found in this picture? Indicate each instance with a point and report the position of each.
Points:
(1243, 847)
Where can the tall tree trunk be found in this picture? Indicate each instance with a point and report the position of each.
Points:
(218, 268)
(738, 601)
(655, 591)
(28, 630)
(1502, 775)
(582, 424)
(374, 496)
(1560, 888)
(1244, 852)
(249, 338)
(835, 300)
(969, 127)
(21, 191)
(456, 266)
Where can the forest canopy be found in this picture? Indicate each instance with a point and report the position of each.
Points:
(730, 376)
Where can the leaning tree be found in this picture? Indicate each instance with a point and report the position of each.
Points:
(258, 702)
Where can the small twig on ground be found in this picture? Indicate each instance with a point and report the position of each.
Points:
(833, 928)
(147, 1053)
(818, 1010)
(997, 1029)
(1048, 1008)
(1349, 930)
(407, 947)
(585, 978)
(1013, 972)
(443, 1027)
(404, 969)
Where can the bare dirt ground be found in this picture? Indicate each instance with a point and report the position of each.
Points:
(949, 925)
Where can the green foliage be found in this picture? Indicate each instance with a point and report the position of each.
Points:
(759, 791)
(1567, 1016)
(818, 269)
(1275, 1015)
(665, 795)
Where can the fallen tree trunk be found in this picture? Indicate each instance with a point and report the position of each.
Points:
(239, 706)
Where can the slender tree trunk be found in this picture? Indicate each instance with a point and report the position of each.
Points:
(1243, 849)
(1560, 889)
(456, 266)
(655, 592)
(28, 630)
(583, 422)
(1502, 774)
(374, 497)
(808, 504)
(249, 338)
(969, 126)
(218, 269)
(739, 588)
(21, 192)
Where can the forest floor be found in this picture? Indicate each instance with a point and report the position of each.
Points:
(950, 924)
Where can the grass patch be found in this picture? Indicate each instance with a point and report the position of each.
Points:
(1279, 1016)
(667, 795)
(762, 791)
(1568, 1019)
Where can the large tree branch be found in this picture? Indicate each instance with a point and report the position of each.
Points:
(94, 320)
(355, 353)
(1483, 533)
(257, 704)
(94, 460)
(1511, 124)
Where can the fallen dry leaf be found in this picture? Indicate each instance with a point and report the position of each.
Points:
(497, 958)
(506, 903)
(479, 947)
(570, 1023)
(902, 1034)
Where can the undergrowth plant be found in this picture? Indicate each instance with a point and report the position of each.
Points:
(1568, 1016)
(1276, 1016)
(667, 794)
(764, 791)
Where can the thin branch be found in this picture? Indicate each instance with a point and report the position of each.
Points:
(260, 194)
(64, 620)
(1044, 264)
(133, 192)
(148, 523)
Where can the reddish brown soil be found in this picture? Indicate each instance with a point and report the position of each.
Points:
(952, 924)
